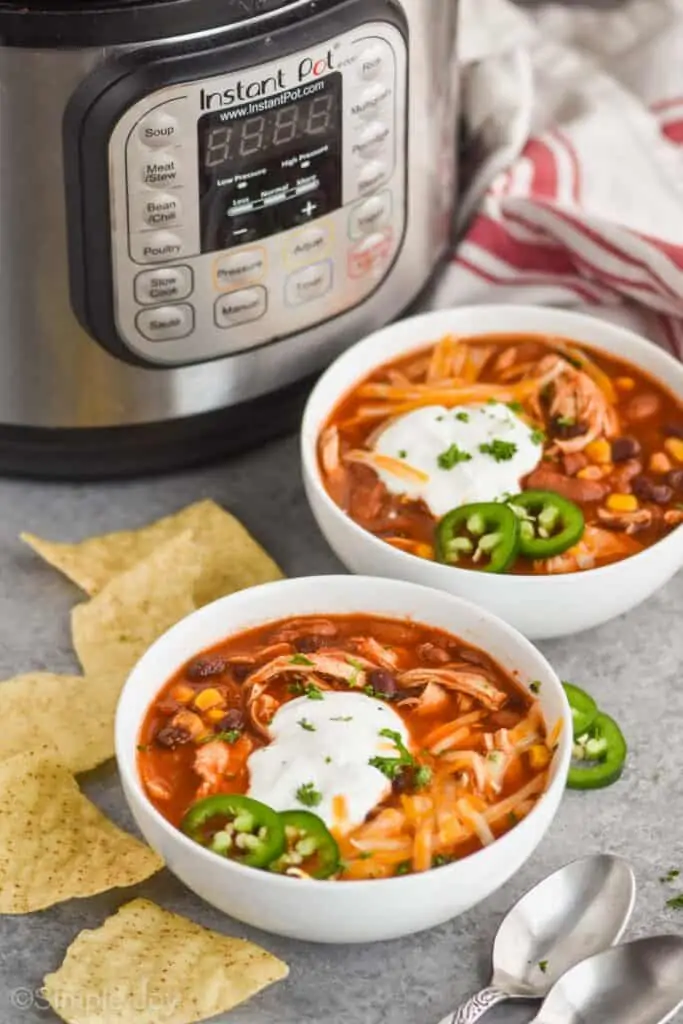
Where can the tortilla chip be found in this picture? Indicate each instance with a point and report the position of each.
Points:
(55, 844)
(68, 713)
(150, 966)
(111, 632)
(232, 560)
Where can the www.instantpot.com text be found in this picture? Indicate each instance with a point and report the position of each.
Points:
(282, 100)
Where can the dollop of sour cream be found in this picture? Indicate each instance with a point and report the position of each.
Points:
(318, 759)
(467, 454)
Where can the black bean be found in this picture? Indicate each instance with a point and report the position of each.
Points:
(675, 478)
(383, 682)
(625, 448)
(647, 490)
(172, 736)
(674, 430)
(206, 667)
(234, 719)
(309, 644)
(566, 431)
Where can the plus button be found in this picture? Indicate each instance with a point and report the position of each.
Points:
(309, 209)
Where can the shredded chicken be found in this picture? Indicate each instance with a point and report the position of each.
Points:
(629, 522)
(473, 683)
(596, 545)
(674, 517)
(310, 664)
(577, 398)
(376, 654)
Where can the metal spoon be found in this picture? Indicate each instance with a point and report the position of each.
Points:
(638, 983)
(580, 910)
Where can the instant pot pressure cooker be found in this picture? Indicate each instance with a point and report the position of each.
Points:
(202, 202)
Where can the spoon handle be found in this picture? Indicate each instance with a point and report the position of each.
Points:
(475, 1008)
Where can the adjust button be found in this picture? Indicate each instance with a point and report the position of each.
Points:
(371, 215)
(240, 268)
(156, 246)
(161, 171)
(167, 284)
(309, 284)
(307, 245)
(158, 129)
(240, 307)
(372, 140)
(165, 322)
(158, 210)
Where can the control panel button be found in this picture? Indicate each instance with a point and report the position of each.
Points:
(240, 268)
(307, 245)
(158, 129)
(371, 100)
(156, 247)
(371, 215)
(309, 284)
(372, 176)
(164, 323)
(167, 284)
(371, 63)
(161, 171)
(371, 254)
(373, 139)
(158, 210)
(240, 307)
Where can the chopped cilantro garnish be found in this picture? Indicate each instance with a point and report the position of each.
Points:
(441, 860)
(309, 690)
(392, 766)
(535, 687)
(328, 760)
(308, 795)
(501, 451)
(538, 436)
(515, 406)
(491, 401)
(403, 454)
(565, 421)
(403, 868)
(676, 902)
(358, 665)
(452, 456)
(670, 876)
(464, 417)
(305, 724)
(142, 747)
(365, 855)
(543, 966)
(231, 736)
(342, 718)
(423, 776)
(301, 659)
(512, 818)
(439, 419)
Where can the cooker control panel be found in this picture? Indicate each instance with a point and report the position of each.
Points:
(253, 205)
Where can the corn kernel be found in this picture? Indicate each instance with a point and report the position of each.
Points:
(660, 463)
(539, 756)
(674, 447)
(215, 714)
(590, 473)
(208, 699)
(622, 503)
(182, 693)
(625, 383)
(599, 451)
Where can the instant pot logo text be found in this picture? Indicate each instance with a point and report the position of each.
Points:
(308, 69)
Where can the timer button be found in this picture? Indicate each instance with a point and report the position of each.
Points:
(165, 322)
(166, 284)
(372, 176)
(240, 307)
(156, 247)
(307, 245)
(161, 171)
(371, 100)
(158, 209)
(158, 129)
(372, 139)
(309, 284)
(240, 268)
(371, 215)
(371, 63)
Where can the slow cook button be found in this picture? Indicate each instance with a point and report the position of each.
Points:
(371, 254)
(158, 129)
(165, 323)
(239, 268)
(306, 246)
(166, 284)
(371, 100)
(161, 171)
(372, 176)
(372, 139)
(240, 307)
(371, 63)
(156, 247)
(371, 215)
(309, 284)
(159, 210)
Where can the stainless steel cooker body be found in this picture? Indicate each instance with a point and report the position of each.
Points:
(56, 375)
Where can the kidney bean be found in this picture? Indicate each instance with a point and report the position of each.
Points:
(573, 462)
(206, 668)
(642, 407)
(647, 490)
(675, 478)
(432, 654)
(624, 448)
(674, 430)
(234, 719)
(172, 736)
(309, 644)
(546, 479)
(383, 682)
(240, 672)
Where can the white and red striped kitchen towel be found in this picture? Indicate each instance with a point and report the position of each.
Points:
(574, 130)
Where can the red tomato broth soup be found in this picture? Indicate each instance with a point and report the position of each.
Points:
(439, 753)
(454, 425)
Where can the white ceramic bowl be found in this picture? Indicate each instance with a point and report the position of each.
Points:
(540, 606)
(339, 912)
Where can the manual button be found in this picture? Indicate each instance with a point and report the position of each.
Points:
(309, 284)
(161, 171)
(165, 322)
(240, 307)
(167, 284)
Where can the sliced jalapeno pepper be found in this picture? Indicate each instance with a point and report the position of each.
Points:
(236, 827)
(549, 523)
(486, 530)
(308, 844)
(583, 708)
(601, 752)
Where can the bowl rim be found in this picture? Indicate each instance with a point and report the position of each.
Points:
(310, 432)
(125, 738)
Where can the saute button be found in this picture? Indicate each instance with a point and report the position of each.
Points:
(240, 307)
(161, 171)
(245, 267)
(166, 322)
(156, 247)
(158, 129)
(371, 100)
(160, 209)
(372, 176)
(309, 284)
(371, 63)
(371, 215)
(163, 285)
(372, 139)
(306, 246)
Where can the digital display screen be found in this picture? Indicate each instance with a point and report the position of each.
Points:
(270, 165)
